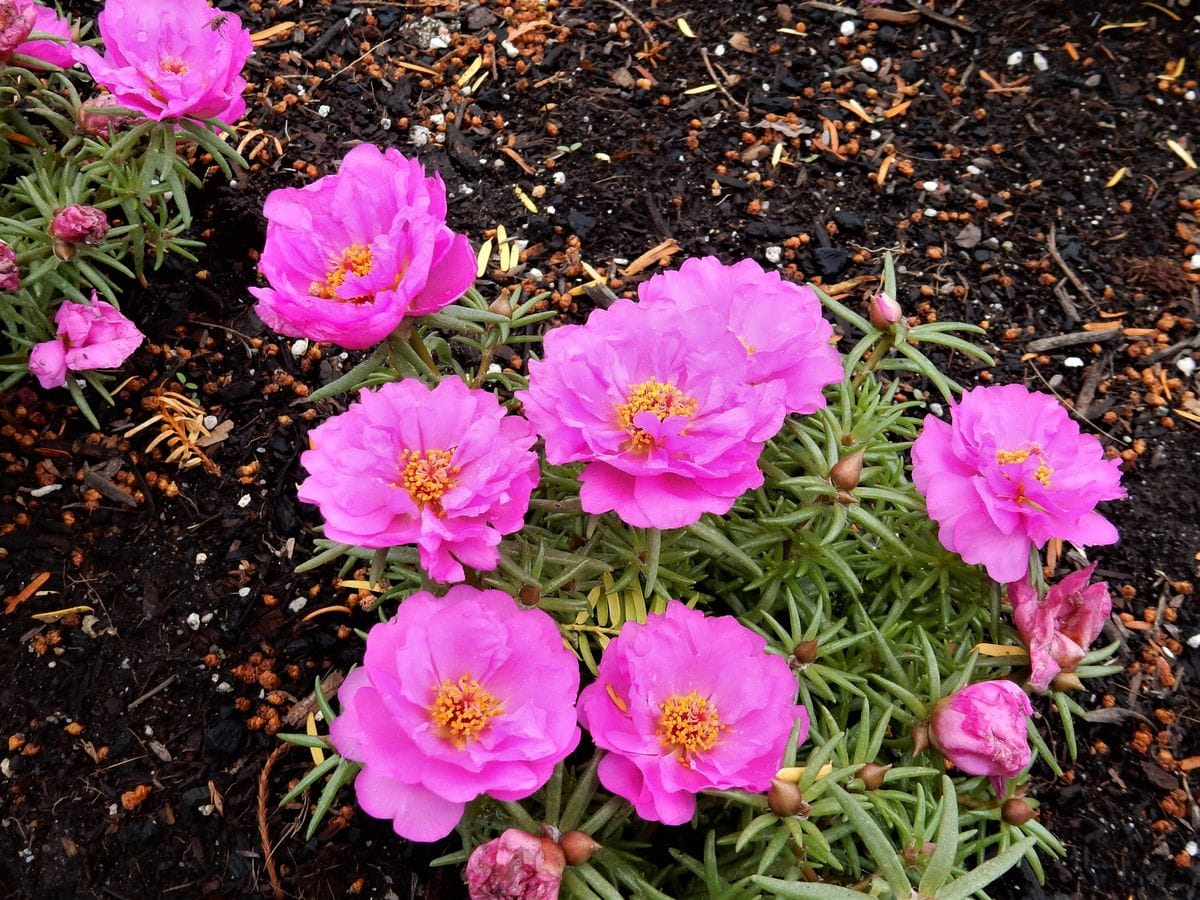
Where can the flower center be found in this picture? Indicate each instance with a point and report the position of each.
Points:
(462, 709)
(355, 259)
(427, 474)
(173, 65)
(688, 724)
(1015, 457)
(654, 396)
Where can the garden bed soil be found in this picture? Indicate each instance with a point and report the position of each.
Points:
(1027, 165)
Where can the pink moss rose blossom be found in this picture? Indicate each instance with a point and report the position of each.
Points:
(456, 697)
(47, 21)
(349, 256)
(1009, 470)
(657, 402)
(981, 729)
(16, 21)
(443, 468)
(79, 224)
(779, 324)
(1058, 628)
(515, 866)
(673, 720)
(171, 60)
(10, 272)
(90, 120)
(90, 336)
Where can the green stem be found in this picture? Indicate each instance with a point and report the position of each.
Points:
(418, 345)
(653, 551)
(878, 352)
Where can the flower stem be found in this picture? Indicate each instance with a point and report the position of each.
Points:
(878, 352)
(418, 345)
(653, 550)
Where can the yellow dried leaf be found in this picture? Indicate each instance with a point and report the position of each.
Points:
(702, 89)
(1182, 152)
(685, 28)
(1117, 176)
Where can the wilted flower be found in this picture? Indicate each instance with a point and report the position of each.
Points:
(674, 721)
(444, 469)
(90, 120)
(1059, 627)
(79, 224)
(350, 255)
(16, 21)
(47, 21)
(1009, 470)
(90, 336)
(657, 402)
(10, 272)
(779, 324)
(981, 729)
(456, 697)
(171, 60)
(884, 311)
(515, 866)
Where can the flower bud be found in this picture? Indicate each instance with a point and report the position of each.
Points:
(806, 652)
(920, 738)
(578, 847)
(1066, 681)
(79, 224)
(90, 120)
(15, 25)
(516, 864)
(500, 306)
(847, 471)
(10, 273)
(784, 799)
(884, 312)
(916, 856)
(1016, 811)
(846, 498)
(981, 729)
(529, 595)
(872, 775)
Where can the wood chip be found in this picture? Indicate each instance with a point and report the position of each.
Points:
(1073, 338)
(267, 35)
(11, 603)
(652, 257)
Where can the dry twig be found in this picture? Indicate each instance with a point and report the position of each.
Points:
(264, 833)
(1052, 246)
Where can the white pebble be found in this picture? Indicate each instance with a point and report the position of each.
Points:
(1192, 848)
(848, 28)
(1194, 262)
(418, 135)
(559, 178)
(210, 422)
(1016, 58)
(298, 604)
(929, 186)
(224, 688)
(930, 213)
(201, 558)
(300, 347)
(869, 65)
(719, 50)
(1040, 62)
(1194, 641)
(193, 621)
(974, 170)
(1073, 362)
(1186, 365)
(244, 501)
(43, 491)
(773, 254)
(244, 592)
(385, 123)
(323, 110)
(1190, 95)
(875, 134)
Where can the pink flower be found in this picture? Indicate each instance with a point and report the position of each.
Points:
(981, 730)
(350, 255)
(656, 401)
(778, 324)
(456, 697)
(675, 722)
(90, 120)
(885, 313)
(515, 866)
(174, 60)
(16, 21)
(79, 224)
(444, 469)
(47, 21)
(10, 272)
(1060, 627)
(90, 336)
(1010, 470)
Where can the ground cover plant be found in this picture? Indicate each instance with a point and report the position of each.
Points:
(831, 612)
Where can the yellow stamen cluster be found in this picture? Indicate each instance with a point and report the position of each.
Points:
(427, 474)
(462, 709)
(1007, 457)
(173, 64)
(1042, 473)
(355, 259)
(689, 724)
(661, 398)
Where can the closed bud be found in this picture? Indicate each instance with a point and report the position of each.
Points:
(1016, 811)
(784, 799)
(884, 311)
(806, 652)
(529, 595)
(847, 471)
(846, 498)
(78, 224)
(64, 250)
(872, 775)
(1066, 681)
(920, 738)
(501, 307)
(578, 847)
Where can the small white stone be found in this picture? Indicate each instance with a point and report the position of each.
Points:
(1190, 95)
(438, 118)
(224, 688)
(244, 501)
(511, 49)
(869, 65)
(201, 558)
(848, 28)
(559, 178)
(1186, 365)
(300, 347)
(385, 123)
(323, 110)
(974, 170)
(1194, 262)
(1016, 58)
(419, 135)
(929, 186)
(193, 622)
(773, 254)
(930, 213)
(1040, 62)
(719, 50)
(441, 42)
(43, 491)
(875, 134)
(1194, 641)
(244, 592)
(206, 809)
(1192, 848)
(210, 422)
(298, 604)
(1073, 362)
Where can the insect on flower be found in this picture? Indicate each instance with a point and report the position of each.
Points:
(218, 22)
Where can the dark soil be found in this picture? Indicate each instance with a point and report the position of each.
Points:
(137, 731)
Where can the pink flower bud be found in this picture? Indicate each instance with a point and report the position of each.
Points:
(981, 730)
(1058, 628)
(885, 312)
(10, 274)
(90, 336)
(515, 866)
(79, 224)
(15, 24)
(90, 118)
